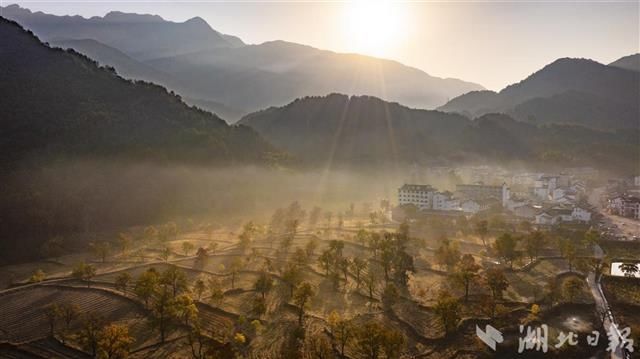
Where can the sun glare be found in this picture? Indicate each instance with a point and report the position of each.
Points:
(374, 27)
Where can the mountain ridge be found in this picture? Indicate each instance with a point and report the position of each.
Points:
(630, 62)
(607, 85)
(247, 77)
(365, 131)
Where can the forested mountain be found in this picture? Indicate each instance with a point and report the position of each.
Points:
(130, 68)
(59, 102)
(216, 68)
(631, 62)
(366, 131)
(576, 91)
(84, 150)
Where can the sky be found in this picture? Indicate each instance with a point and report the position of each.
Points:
(490, 42)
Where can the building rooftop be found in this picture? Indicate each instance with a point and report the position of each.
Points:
(417, 187)
(462, 186)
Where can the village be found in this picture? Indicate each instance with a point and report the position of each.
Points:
(542, 199)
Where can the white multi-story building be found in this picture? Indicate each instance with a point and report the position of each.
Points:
(626, 206)
(481, 191)
(442, 201)
(419, 195)
(426, 197)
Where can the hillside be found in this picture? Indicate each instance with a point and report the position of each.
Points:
(631, 62)
(85, 150)
(366, 131)
(85, 110)
(576, 91)
(130, 68)
(212, 67)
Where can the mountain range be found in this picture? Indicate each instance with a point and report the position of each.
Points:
(353, 131)
(576, 91)
(223, 74)
(57, 102)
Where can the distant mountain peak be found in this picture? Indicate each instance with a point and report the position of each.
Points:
(630, 62)
(140, 36)
(118, 16)
(197, 20)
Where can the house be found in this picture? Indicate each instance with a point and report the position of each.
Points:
(541, 192)
(615, 204)
(560, 214)
(470, 206)
(526, 211)
(581, 214)
(480, 191)
(578, 186)
(515, 202)
(546, 219)
(558, 193)
(624, 205)
(444, 201)
(440, 200)
(474, 206)
(631, 207)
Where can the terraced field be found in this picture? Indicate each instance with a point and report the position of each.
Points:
(22, 316)
(529, 284)
(22, 312)
(40, 348)
(424, 322)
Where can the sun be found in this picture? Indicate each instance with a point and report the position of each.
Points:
(374, 27)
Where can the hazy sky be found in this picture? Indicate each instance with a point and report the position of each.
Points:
(493, 43)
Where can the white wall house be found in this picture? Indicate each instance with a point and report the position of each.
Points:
(581, 214)
(558, 193)
(443, 201)
(481, 191)
(541, 192)
(452, 205)
(546, 219)
(526, 211)
(470, 206)
(557, 215)
(626, 206)
(473, 206)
